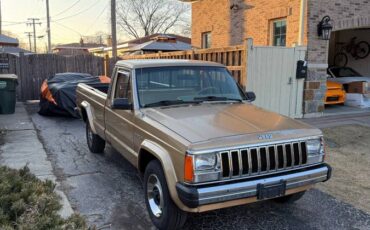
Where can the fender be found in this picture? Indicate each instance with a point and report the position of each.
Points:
(169, 171)
(90, 115)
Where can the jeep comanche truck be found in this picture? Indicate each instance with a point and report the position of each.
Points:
(196, 139)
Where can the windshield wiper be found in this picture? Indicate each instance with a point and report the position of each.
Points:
(216, 98)
(170, 102)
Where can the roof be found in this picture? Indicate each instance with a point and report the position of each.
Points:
(162, 46)
(147, 63)
(8, 40)
(14, 50)
(148, 38)
(78, 46)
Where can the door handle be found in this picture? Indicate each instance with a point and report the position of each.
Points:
(290, 81)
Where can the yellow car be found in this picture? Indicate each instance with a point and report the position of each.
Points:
(335, 93)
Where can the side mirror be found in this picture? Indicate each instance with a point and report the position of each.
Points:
(122, 104)
(251, 96)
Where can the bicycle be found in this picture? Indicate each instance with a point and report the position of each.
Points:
(358, 50)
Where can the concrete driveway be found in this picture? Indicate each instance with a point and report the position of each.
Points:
(107, 190)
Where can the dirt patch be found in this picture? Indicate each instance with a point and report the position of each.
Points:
(348, 152)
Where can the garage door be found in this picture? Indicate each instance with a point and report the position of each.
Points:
(271, 74)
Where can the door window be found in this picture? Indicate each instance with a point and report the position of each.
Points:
(123, 86)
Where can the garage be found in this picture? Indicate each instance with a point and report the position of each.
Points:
(348, 85)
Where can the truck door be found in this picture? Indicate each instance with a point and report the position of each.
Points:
(118, 123)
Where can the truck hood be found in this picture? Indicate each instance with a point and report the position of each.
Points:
(207, 121)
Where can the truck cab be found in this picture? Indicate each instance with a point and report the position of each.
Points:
(197, 140)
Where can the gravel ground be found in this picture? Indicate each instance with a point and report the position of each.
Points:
(348, 152)
(107, 190)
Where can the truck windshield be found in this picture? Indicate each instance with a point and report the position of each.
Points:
(160, 86)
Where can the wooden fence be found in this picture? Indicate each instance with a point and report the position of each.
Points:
(32, 70)
(233, 57)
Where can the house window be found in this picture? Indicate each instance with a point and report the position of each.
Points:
(206, 40)
(279, 32)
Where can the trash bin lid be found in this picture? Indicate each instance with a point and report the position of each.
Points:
(8, 76)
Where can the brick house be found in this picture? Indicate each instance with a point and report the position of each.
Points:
(220, 23)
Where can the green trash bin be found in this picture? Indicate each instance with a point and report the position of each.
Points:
(8, 85)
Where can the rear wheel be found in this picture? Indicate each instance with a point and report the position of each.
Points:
(95, 143)
(162, 210)
(362, 50)
(290, 198)
(341, 59)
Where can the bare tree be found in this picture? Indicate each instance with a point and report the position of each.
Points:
(145, 17)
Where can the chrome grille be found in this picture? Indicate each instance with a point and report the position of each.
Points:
(262, 159)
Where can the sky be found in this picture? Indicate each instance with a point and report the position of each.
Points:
(70, 19)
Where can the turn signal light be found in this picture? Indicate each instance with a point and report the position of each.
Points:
(189, 169)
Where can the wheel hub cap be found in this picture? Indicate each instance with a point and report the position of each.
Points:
(155, 195)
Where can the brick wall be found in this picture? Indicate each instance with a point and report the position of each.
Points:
(345, 14)
(211, 16)
(251, 18)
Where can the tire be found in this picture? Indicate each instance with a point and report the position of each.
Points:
(162, 210)
(362, 50)
(290, 198)
(340, 59)
(95, 143)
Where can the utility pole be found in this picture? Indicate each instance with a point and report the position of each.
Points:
(29, 35)
(114, 31)
(48, 26)
(33, 22)
(1, 20)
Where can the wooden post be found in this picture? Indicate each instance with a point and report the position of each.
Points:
(106, 65)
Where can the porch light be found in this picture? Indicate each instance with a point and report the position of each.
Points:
(324, 28)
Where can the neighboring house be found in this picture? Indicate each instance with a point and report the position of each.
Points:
(149, 44)
(220, 23)
(6, 41)
(10, 45)
(71, 49)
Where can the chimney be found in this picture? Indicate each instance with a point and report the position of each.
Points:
(109, 40)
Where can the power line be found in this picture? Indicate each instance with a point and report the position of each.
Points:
(65, 10)
(96, 19)
(66, 27)
(78, 13)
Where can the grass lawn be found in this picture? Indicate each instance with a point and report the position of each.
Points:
(348, 152)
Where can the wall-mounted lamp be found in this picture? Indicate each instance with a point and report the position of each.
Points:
(324, 28)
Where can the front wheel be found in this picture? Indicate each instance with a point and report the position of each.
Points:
(95, 143)
(162, 210)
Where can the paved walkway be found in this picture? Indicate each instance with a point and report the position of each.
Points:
(339, 120)
(20, 146)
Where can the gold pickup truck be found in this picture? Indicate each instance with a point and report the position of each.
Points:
(197, 140)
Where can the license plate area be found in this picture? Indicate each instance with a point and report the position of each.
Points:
(271, 191)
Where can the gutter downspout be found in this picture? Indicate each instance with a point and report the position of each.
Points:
(302, 22)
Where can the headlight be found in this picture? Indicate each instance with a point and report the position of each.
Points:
(205, 162)
(202, 168)
(313, 146)
(315, 150)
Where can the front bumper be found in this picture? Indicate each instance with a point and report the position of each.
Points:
(194, 197)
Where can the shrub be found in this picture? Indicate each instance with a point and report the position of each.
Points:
(29, 203)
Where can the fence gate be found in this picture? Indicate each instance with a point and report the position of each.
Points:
(271, 74)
